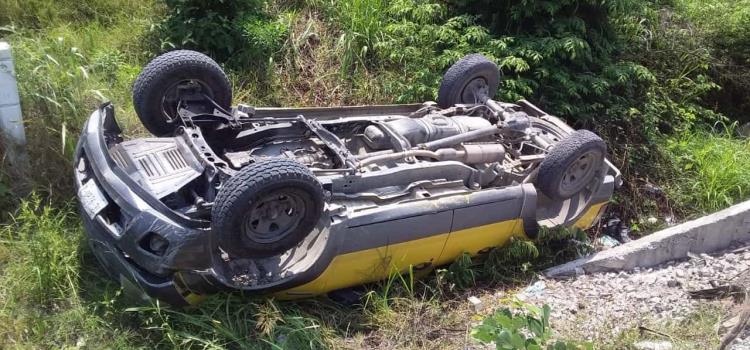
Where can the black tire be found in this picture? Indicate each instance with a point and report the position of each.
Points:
(160, 79)
(562, 173)
(470, 70)
(260, 189)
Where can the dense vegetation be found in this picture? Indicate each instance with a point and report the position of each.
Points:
(664, 81)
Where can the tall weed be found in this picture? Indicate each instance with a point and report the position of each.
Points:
(712, 169)
(50, 13)
(362, 23)
(233, 322)
(46, 288)
(63, 75)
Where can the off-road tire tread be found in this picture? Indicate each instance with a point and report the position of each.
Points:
(567, 150)
(461, 72)
(253, 178)
(155, 77)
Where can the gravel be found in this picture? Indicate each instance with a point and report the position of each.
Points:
(604, 305)
(742, 342)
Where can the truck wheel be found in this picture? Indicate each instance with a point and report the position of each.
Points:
(157, 89)
(571, 165)
(266, 208)
(472, 79)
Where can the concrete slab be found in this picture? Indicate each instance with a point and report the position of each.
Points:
(707, 234)
(12, 134)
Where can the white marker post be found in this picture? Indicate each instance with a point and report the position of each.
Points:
(11, 122)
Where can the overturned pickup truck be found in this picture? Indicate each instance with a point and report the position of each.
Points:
(299, 202)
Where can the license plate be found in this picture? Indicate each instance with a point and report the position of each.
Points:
(92, 198)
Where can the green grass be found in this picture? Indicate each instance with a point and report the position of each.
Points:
(230, 321)
(54, 295)
(48, 282)
(64, 73)
(362, 23)
(73, 55)
(698, 330)
(50, 13)
(712, 170)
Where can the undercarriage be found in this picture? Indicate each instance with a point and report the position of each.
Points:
(308, 200)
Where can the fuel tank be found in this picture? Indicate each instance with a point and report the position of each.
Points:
(420, 130)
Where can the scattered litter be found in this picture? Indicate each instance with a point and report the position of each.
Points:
(673, 283)
(652, 220)
(607, 242)
(536, 289)
(744, 130)
(652, 189)
(612, 227)
(476, 303)
(653, 345)
(616, 229)
(624, 234)
(670, 220)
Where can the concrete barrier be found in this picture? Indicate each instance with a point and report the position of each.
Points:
(11, 123)
(707, 234)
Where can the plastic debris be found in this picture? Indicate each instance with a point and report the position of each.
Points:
(476, 303)
(744, 130)
(616, 229)
(607, 242)
(653, 345)
(652, 189)
(535, 289)
(670, 220)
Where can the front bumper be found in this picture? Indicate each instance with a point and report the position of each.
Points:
(120, 233)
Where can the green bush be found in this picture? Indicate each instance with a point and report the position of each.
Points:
(725, 22)
(620, 63)
(46, 267)
(566, 65)
(525, 327)
(724, 28)
(239, 31)
(516, 262)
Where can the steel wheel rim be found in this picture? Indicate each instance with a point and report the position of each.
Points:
(274, 216)
(579, 173)
(171, 96)
(475, 90)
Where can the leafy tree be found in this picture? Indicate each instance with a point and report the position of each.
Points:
(238, 31)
